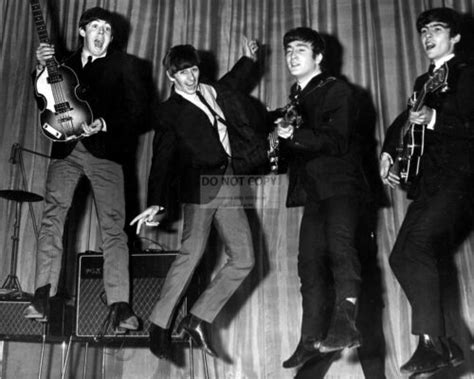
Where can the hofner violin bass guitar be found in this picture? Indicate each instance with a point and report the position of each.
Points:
(412, 136)
(63, 112)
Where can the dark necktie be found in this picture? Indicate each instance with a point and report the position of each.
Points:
(89, 60)
(213, 112)
(295, 94)
(222, 138)
(431, 69)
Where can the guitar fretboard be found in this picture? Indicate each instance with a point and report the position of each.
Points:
(43, 35)
(39, 21)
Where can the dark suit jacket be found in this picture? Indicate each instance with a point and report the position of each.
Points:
(323, 155)
(449, 148)
(112, 87)
(186, 148)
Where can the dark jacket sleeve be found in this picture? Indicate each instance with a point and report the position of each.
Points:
(241, 75)
(393, 135)
(162, 165)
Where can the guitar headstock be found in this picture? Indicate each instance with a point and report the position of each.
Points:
(438, 80)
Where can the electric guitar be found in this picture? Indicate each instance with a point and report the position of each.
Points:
(412, 136)
(288, 116)
(63, 111)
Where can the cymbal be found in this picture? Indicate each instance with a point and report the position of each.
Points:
(18, 195)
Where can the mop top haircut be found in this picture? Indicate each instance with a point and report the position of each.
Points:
(447, 16)
(96, 13)
(308, 35)
(180, 57)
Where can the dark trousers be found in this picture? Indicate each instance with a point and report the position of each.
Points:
(430, 231)
(328, 263)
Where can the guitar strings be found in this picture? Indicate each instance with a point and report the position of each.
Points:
(63, 115)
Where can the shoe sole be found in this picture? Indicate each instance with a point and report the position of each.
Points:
(435, 369)
(123, 329)
(429, 374)
(424, 375)
(37, 318)
(129, 326)
(329, 349)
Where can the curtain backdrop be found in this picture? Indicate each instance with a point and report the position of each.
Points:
(373, 44)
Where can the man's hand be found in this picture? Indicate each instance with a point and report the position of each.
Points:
(44, 52)
(388, 178)
(284, 130)
(95, 127)
(150, 216)
(250, 48)
(422, 117)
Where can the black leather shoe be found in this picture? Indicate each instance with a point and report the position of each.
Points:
(342, 330)
(304, 352)
(194, 327)
(429, 356)
(38, 309)
(160, 341)
(123, 318)
(453, 352)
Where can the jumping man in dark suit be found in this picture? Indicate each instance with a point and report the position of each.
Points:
(109, 83)
(441, 193)
(203, 131)
(325, 178)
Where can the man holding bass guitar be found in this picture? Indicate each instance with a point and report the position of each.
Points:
(441, 191)
(108, 82)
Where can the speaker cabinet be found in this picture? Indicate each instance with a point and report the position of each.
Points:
(148, 272)
(13, 326)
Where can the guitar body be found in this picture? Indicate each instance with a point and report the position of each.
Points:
(409, 158)
(412, 136)
(288, 115)
(63, 111)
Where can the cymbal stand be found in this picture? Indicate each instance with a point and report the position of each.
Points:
(16, 155)
(12, 282)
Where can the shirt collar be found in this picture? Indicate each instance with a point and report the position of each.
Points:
(85, 56)
(304, 83)
(443, 60)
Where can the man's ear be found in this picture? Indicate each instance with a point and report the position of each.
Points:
(319, 58)
(456, 38)
(170, 77)
(82, 32)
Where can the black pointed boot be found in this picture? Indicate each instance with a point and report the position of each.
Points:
(38, 309)
(428, 356)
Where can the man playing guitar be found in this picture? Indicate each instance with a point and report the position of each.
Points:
(109, 83)
(441, 193)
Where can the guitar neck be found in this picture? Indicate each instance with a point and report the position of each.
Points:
(42, 31)
(419, 100)
(39, 21)
(415, 107)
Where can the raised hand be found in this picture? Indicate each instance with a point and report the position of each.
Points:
(250, 48)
